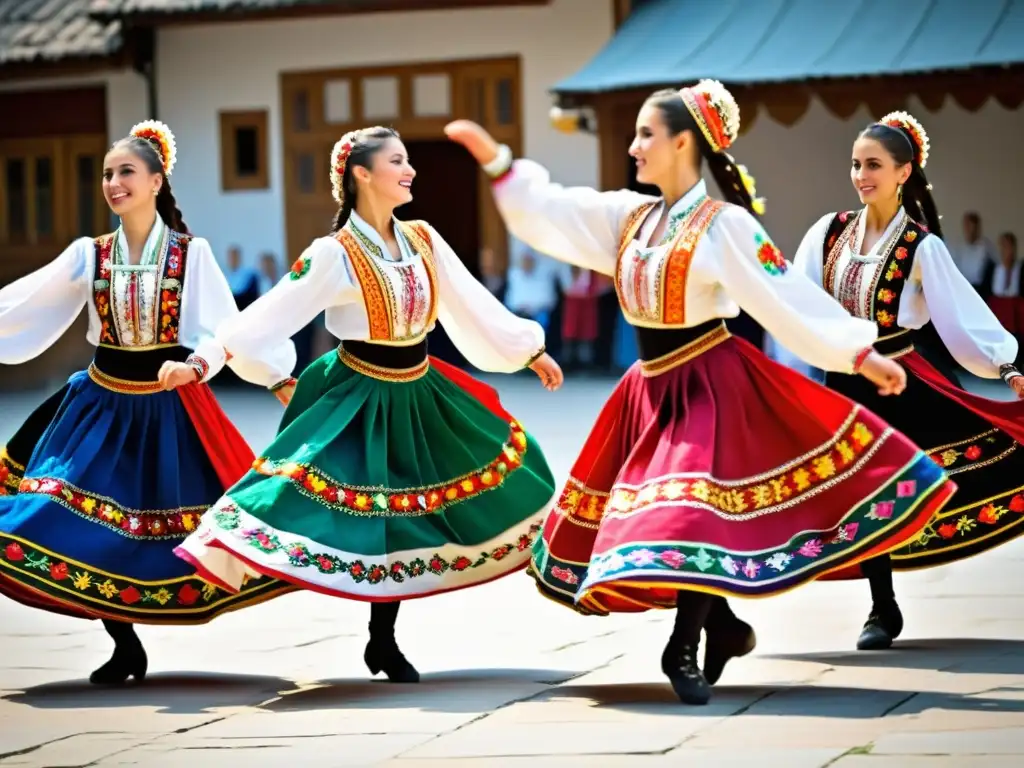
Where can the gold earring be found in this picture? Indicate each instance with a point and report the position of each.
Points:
(899, 192)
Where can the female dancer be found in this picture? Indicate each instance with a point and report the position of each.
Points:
(887, 264)
(393, 475)
(711, 470)
(112, 470)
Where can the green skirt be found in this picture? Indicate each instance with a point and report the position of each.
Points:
(381, 489)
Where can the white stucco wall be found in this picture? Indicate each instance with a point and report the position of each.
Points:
(204, 69)
(126, 95)
(803, 171)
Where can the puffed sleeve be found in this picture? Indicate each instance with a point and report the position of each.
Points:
(794, 310)
(38, 308)
(578, 225)
(488, 334)
(318, 279)
(809, 256)
(208, 303)
(963, 320)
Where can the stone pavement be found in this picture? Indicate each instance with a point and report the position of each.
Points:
(510, 679)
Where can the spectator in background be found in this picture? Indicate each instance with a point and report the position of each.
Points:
(975, 253)
(579, 318)
(1002, 278)
(270, 271)
(531, 290)
(243, 280)
(491, 274)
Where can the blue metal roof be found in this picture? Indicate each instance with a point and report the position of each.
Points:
(670, 42)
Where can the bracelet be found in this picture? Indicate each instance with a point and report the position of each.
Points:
(1008, 371)
(536, 356)
(290, 381)
(501, 164)
(858, 361)
(199, 365)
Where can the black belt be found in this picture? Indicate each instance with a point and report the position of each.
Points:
(653, 343)
(897, 343)
(143, 365)
(387, 355)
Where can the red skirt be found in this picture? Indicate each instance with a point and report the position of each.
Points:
(715, 469)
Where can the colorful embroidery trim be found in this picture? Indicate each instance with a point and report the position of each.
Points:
(11, 473)
(739, 500)
(770, 257)
(299, 555)
(101, 288)
(376, 501)
(804, 553)
(170, 287)
(135, 524)
(70, 582)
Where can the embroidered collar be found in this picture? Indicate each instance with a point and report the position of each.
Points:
(883, 246)
(371, 241)
(152, 250)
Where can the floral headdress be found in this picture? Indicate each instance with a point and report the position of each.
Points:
(160, 136)
(715, 111)
(339, 159)
(718, 116)
(914, 129)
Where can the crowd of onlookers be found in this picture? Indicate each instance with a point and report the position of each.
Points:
(994, 270)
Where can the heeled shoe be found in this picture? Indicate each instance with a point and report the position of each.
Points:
(884, 624)
(126, 662)
(726, 643)
(385, 656)
(679, 664)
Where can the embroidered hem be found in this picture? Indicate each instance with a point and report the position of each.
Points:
(102, 594)
(378, 501)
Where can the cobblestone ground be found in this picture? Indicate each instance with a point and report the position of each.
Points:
(510, 679)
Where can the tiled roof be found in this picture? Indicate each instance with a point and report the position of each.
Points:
(53, 30)
(126, 8)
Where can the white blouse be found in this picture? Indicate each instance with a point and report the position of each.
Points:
(38, 308)
(368, 296)
(734, 264)
(962, 319)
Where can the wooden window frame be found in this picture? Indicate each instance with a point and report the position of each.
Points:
(230, 121)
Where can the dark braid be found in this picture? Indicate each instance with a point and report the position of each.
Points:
(917, 193)
(168, 209)
(366, 143)
(724, 171)
(166, 205)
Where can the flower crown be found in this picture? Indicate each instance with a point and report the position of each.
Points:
(339, 159)
(715, 111)
(160, 136)
(914, 129)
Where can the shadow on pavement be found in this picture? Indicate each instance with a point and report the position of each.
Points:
(965, 655)
(172, 693)
(450, 691)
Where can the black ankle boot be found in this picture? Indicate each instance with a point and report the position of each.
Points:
(884, 624)
(129, 658)
(383, 655)
(728, 637)
(382, 652)
(679, 663)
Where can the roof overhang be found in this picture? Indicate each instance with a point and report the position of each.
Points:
(782, 52)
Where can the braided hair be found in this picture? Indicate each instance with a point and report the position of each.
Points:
(365, 144)
(726, 172)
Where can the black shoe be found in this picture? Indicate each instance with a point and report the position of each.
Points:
(680, 666)
(127, 661)
(384, 656)
(729, 642)
(884, 624)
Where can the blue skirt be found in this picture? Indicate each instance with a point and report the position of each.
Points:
(113, 482)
